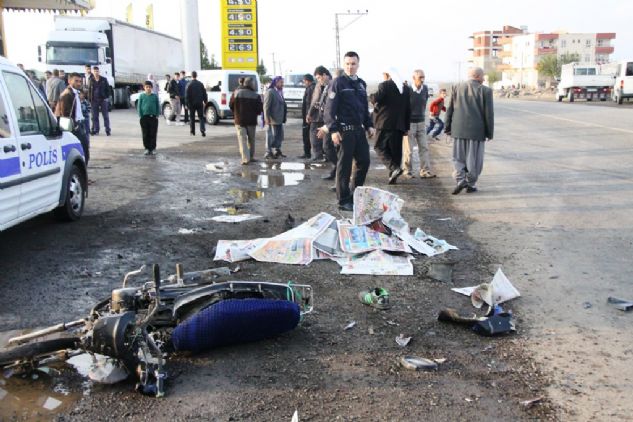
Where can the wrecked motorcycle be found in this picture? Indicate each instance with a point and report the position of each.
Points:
(136, 327)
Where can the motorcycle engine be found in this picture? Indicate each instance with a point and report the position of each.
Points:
(123, 300)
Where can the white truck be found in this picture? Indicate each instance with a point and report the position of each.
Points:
(623, 77)
(125, 53)
(293, 92)
(584, 81)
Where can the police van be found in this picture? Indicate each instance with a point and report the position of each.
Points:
(42, 167)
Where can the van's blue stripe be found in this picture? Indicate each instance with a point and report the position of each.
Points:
(9, 166)
(67, 148)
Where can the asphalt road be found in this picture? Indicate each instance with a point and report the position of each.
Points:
(555, 208)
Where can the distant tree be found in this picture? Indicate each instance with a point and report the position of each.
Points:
(493, 76)
(205, 64)
(550, 65)
(214, 63)
(261, 71)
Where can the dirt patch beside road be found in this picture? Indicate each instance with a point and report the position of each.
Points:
(135, 210)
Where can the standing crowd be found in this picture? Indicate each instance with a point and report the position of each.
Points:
(337, 123)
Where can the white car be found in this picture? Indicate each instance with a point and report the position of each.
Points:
(42, 168)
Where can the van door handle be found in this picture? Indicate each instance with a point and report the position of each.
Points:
(9, 148)
(25, 146)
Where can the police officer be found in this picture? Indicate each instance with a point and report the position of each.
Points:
(346, 119)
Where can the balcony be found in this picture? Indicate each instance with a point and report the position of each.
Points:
(505, 53)
(604, 50)
(545, 50)
(504, 66)
(543, 37)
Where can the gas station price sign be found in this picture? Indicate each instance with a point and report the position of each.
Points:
(239, 34)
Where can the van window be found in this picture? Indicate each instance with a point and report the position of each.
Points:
(22, 103)
(5, 129)
(33, 115)
(629, 69)
(580, 71)
(44, 117)
(234, 81)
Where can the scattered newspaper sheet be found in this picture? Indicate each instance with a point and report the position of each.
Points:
(359, 239)
(371, 203)
(499, 290)
(439, 245)
(238, 218)
(235, 250)
(377, 263)
(294, 246)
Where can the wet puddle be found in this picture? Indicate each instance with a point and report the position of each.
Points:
(36, 396)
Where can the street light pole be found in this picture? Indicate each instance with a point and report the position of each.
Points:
(337, 29)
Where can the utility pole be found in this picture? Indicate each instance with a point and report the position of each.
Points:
(337, 29)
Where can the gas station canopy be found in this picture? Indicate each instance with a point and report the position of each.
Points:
(48, 5)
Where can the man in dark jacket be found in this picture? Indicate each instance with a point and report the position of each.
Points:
(197, 100)
(470, 122)
(308, 82)
(391, 120)
(246, 105)
(99, 96)
(182, 87)
(69, 106)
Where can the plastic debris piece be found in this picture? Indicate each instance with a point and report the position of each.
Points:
(495, 325)
(371, 331)
(350, 326)
(236, 269)
(621, 304)
(417, 364)
(529, 403)
(439, 360)
(402, 340)
(441, 271)
(587, 305)
(51, 403)
(295, 416)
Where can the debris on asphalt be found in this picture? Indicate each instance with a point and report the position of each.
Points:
(498, 291)
(441, 271)
(492, 325)
(402, 340)
(621, 304)
(377, 298)
(529, 403)
(237, 218)
(418, 364)
(377, 241)
(295, 416)
(587, 305)
(349, 326)
(187, 231)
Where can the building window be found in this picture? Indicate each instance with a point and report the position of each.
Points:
(588, 43)
(587, 58)
(599, 42)
(563, 43)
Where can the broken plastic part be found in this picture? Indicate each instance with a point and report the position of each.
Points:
(417, 363)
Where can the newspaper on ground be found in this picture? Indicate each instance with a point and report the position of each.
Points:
(371, 203)
(294, 246)
(376, 263)
(439, 245)
(360, 239)
(499, 290)
(238, 218)
(377, 241)
(235, 250)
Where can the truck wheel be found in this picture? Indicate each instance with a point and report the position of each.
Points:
(73, 206)
(570, 95)
(111, 102)
(167, 111)
(560, 98)
(211, 115)
(619, 99)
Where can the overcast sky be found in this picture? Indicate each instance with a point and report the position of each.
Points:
(432, 35)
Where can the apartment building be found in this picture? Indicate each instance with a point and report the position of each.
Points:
(516, 53)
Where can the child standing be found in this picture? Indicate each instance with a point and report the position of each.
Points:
(437, 106)
(148, 110)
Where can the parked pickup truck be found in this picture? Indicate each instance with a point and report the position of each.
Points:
(584, 81)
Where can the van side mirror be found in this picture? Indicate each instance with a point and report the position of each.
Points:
(39, 53)
(108, 60)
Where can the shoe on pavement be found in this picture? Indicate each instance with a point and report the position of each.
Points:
(348, 206)
(304, 157)
(460, 186)
(254, 160)
(204, 134)
(377, 298)
(333, 188)
(425, 174)
(280, 154)
(471, 189)
(393, 177)
(147, 152)
(409, 176)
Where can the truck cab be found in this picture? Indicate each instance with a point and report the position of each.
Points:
(293, 91)
(42, 168)
(584, 81)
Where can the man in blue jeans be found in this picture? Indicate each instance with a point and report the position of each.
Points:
(99, 96)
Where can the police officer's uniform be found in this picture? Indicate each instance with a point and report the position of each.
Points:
(347, 112)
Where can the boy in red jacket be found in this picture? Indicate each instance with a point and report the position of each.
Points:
(437, 106)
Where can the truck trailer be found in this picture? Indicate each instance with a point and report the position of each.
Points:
(125, 53)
